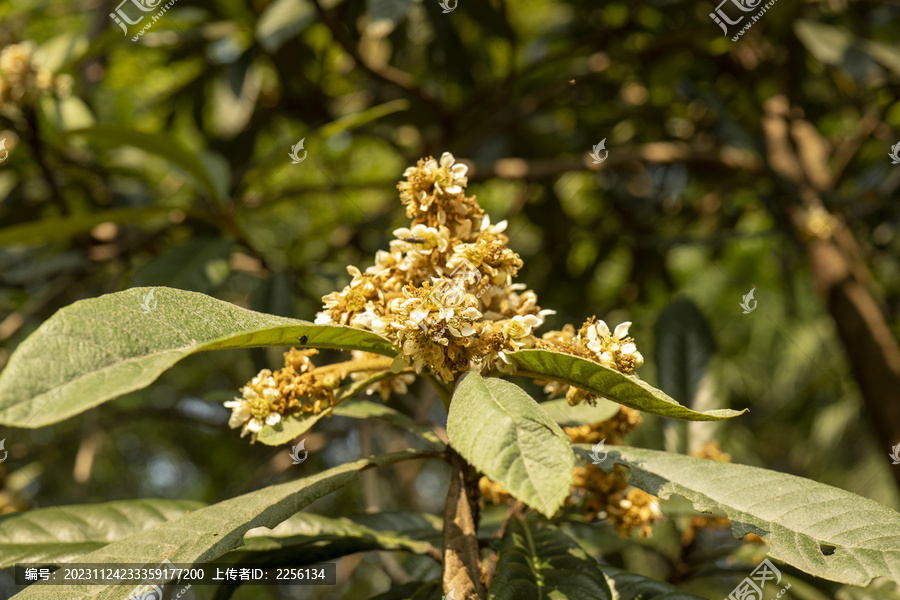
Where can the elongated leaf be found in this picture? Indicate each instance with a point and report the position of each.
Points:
(98, 349)
(631, 586)
(210, 532)
(51, 230)
(158, 144)
(608, 383)
(684, 347)
(60, 534)
(281, 21)
(583, 414)
(294, 425)
(819, 529)
(505, 434)
(199, 266)
(297, 424)
(307, 538)
(543, 563)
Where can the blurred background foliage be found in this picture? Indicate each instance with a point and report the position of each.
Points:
(164, 162)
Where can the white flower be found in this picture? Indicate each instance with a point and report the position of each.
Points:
(449, 178)
(487, 227)
(431, 238)
(369, 320)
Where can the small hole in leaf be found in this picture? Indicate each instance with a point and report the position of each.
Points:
(826, 549)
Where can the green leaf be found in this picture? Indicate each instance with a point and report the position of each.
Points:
(582, 414)
(364, 409)
(197, 266)
(837, 47)
(821, 530)
(608, 383)
(505, 434)
(51, 230)
(308, 538)
(540, 562)
(631, 586)
(61, 534)
(684, 347)
(209, 532)
(360, 118)
(158, 144)
(282, 20)
(297, 424)
(385, 14)
(98, 349)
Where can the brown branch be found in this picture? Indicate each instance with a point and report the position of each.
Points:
(462, 567)
(839, 272)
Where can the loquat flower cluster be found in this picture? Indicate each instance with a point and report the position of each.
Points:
(444, 294)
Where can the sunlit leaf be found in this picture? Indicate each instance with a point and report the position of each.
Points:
(506, 435)
(98, 349)
(820, 529)
(59, 534)
(608, 383)
(209, 532)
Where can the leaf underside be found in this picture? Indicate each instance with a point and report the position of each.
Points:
(608, 383)
(209, 532)
(822, 530)
(98, 349)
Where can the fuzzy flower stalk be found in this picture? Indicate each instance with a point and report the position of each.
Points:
(444, 294)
